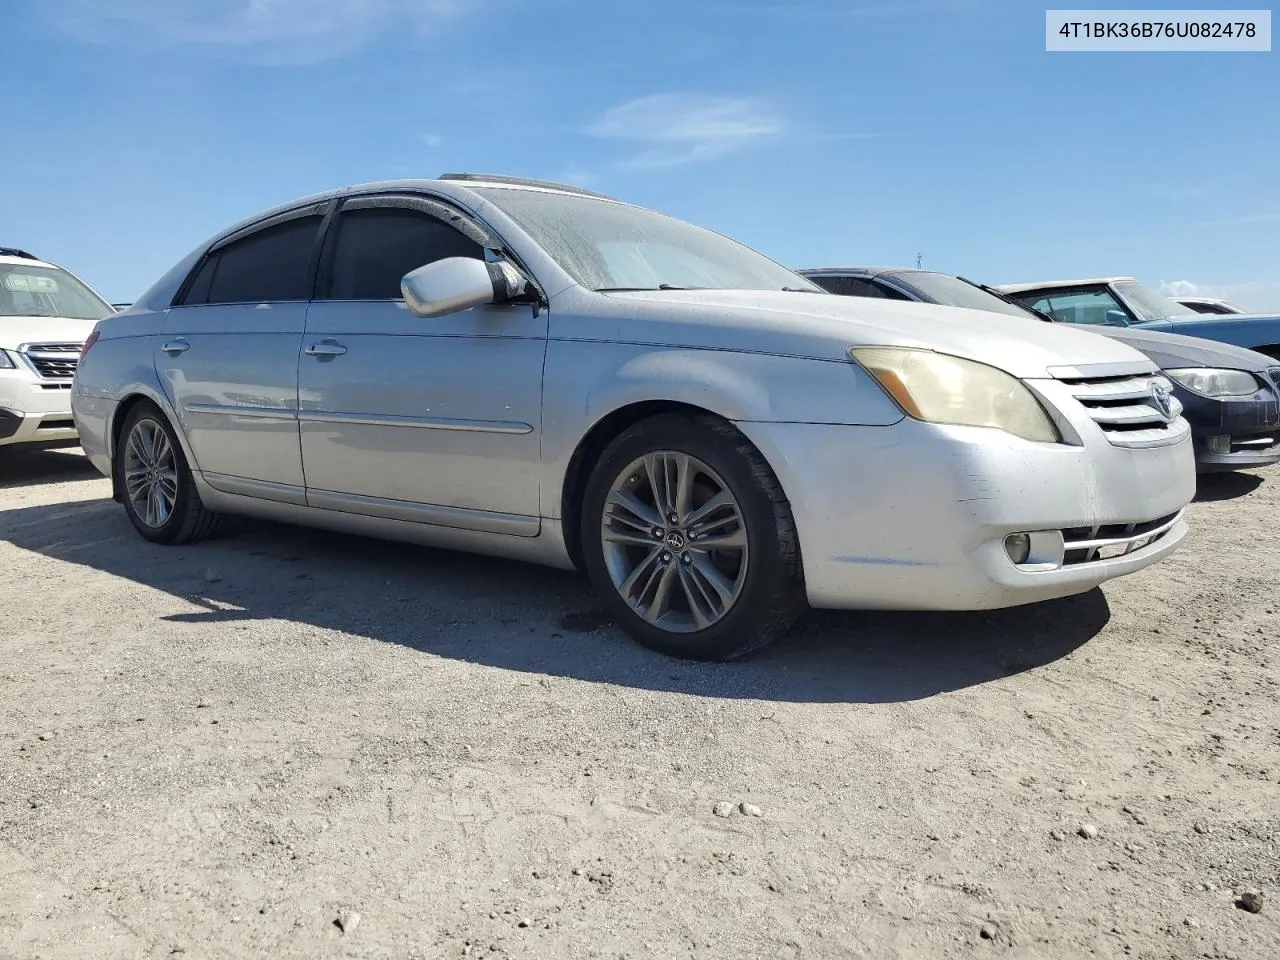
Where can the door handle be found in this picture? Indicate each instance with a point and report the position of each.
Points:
(175, 347)
(325, 348)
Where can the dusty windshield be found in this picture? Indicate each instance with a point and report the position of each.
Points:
(31, 291)
(612, 246)
(954, 292)
(1148, 304)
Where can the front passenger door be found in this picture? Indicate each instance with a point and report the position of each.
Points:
(428, 420)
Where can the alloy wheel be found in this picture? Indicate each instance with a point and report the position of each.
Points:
(150, 473)
(674, 541)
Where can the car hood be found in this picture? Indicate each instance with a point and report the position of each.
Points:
(1223, 316)
(824, 326)
(1218, 321)
(1171, 350)
(15, 331)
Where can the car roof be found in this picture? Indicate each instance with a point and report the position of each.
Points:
(26, 261)
(447, 184)
(1058, 284)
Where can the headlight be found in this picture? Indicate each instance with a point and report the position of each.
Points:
(1216, 383)
(6, 361)
(938, 388)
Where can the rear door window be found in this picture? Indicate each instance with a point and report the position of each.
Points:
(272, 264)
(849, 286)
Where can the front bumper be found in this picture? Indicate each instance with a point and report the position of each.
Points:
(914, 515)
(1232, 434)
(33, 412)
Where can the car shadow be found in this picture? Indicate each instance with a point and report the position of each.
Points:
(1215, 487)
(541, 621)
(28, 466)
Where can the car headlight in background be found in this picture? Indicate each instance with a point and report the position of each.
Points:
(939, 388)
(6, 361)
(1216, 383)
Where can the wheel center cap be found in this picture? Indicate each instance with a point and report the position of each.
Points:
(675, 540)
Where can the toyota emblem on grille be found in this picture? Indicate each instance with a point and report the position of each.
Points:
(1163, 400)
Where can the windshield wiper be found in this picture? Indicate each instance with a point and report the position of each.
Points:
(661, 286)
(1001, 295)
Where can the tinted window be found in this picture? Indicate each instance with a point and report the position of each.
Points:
(1073, 306)
(272, 264)
(377, 247)
(850, 286)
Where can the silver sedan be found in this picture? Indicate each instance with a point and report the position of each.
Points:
(529, 370)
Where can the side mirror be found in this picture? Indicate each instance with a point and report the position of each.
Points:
(1117, 318)
(460, 283)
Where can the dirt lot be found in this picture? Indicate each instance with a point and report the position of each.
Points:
(219, 751)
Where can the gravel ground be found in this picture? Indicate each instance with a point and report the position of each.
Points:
(296, 744)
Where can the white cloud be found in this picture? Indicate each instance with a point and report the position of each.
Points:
(1262, 296)
(677, 128)
(275, 31)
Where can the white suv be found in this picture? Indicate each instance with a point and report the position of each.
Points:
(46, 314)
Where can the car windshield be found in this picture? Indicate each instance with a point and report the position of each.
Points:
(1148, 304)
(31, 291)
(606, 245)
(954, 292)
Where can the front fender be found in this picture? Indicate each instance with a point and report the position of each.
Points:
(587, 381)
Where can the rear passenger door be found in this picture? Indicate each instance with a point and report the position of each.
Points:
(228, 355)
(431, 420)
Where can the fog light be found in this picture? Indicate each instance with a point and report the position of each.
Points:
(1018, 547)
(1219, 444)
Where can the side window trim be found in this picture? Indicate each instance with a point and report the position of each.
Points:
(323, 209)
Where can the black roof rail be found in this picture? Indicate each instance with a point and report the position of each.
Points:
(15, 252)
(522, 182)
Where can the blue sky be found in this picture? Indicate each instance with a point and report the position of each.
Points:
(818, 131)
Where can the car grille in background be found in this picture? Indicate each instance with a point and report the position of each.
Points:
(53, 361)
(1125, 409)
(1275, 376)
(1087, 544)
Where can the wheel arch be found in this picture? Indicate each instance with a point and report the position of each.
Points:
(132, 398)
(596, 441)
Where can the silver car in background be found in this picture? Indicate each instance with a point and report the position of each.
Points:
(529, 370)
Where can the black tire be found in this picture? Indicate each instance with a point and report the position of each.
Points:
(189, 519)
(771, 595)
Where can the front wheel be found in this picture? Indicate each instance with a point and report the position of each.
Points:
(687, 536)
(155, 482)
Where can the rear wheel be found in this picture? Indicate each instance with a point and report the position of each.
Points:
(688, 538)
(155, 482)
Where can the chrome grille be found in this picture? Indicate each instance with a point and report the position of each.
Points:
(52, 361)
(1274, 373)
(1087, 544)
(1126, 408)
